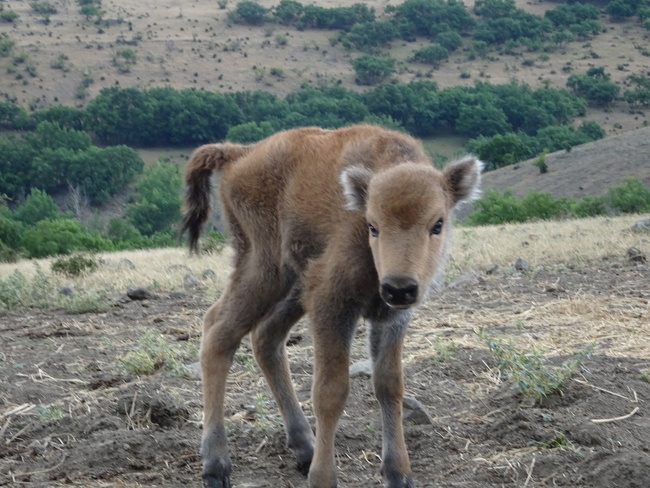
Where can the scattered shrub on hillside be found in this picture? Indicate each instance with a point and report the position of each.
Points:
(371, 70)
(247, 12)
(540, 162)
(75, 265)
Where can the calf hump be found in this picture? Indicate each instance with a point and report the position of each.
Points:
(205, 160)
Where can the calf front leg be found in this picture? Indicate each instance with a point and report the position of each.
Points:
(333, 330)
(386, 339)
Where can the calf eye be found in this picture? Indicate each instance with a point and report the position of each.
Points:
(437, 229)
(373, 232)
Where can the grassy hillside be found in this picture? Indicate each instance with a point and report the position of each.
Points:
(589, 169)
(71, 58)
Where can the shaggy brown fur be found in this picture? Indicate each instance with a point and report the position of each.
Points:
(340, 224)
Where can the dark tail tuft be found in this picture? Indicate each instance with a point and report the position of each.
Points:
(205, 160)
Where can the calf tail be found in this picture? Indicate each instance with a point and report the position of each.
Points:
(205, 160)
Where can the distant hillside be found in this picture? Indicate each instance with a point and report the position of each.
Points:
(589, 169)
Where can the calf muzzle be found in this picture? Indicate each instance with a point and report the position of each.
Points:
(399, 291)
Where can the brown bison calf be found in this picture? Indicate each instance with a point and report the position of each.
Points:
(340, 224)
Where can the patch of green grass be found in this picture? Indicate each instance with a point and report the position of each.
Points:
(153, 354)
(49, 414)
(530, 370)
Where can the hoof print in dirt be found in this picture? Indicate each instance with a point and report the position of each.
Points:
(142, 409)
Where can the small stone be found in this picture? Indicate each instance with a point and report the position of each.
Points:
(139, 293)
(191, 282)
(66, 291)
(635, 255)
(362, 368)
(194, 371)
(493, 268)
(642, 225)
(178, 295)
(415, 413)
(522, 265)
(208, 274)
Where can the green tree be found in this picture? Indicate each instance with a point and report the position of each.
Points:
(156, 207)
(499, 150)
(61, 236)
(595, 86)
(37, 206)
(371, 70)
(247, 12)
(250, 132)
(433, 54)
(288, 11)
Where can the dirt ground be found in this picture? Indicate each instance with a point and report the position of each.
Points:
(70, 416)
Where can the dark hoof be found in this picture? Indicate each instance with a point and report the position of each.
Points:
(303, 466)
(304, 454)
(212, 482)
(400, 482)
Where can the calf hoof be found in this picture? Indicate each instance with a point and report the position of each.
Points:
(303, 459)
(402, 482)
(216, 474)
(212, 482)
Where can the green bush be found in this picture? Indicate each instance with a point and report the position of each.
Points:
(61, 236)
(630, 197)
(498, 208)
(75, 265)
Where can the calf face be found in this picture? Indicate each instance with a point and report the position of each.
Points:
(408, 210)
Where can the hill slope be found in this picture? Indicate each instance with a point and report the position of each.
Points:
(589, 169)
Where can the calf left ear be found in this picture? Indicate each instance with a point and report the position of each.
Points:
(355, 180)
(463, 179)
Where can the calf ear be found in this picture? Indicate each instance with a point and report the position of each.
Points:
(355, 180)
(463, 179)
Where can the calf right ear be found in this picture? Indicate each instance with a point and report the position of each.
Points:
(355, 180)
(463, 179)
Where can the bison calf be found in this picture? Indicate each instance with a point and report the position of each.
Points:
(338, 224)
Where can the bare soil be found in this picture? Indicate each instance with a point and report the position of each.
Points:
(116, 430)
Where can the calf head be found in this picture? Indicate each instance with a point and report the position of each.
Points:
(408, 210)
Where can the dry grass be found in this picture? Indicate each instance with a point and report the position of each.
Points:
(545, 243)
(572, 243)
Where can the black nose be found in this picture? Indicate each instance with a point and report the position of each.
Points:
(399, 290)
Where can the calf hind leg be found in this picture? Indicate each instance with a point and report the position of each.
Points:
(269, 347)
(243, 305)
